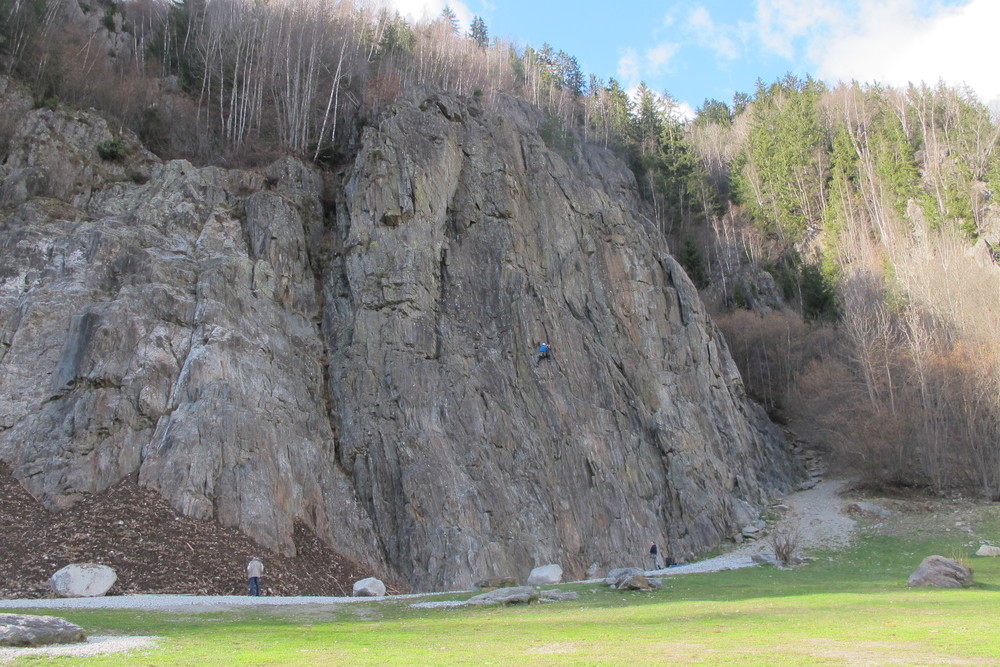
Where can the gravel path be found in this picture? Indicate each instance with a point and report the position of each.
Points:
(816, 514)
(190, 603)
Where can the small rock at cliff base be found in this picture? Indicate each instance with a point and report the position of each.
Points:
(545, 575)
(22, 630)
(495, 582)
(988, 550)
(941, 572)
(83, 580)
(370, 587)
(862, 509)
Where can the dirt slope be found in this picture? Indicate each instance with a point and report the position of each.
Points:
(152, 548)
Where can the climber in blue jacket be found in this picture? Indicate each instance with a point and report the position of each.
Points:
(543, 352)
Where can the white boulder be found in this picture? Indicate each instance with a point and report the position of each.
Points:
(83, 580)
(370, 587)
(545, 575)
(988, 550)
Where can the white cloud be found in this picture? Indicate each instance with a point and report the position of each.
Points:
(892, 42)
(633, 68)
(781, 22)
(685, 111)
(889, 41)
(628, 68)
(720, 38)
(658, 58)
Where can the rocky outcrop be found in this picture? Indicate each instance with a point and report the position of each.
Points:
(367, 367)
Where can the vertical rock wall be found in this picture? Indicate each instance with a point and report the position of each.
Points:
(372, 374)
(466, 243)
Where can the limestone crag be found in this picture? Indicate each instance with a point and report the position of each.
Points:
(368, 367)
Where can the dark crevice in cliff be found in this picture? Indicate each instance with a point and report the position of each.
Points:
(443, 287)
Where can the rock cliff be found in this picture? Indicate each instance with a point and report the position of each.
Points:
(358, 355)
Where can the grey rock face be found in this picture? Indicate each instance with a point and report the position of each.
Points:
(168, 331)
(26, 630)
(371, 372)
(466, 243)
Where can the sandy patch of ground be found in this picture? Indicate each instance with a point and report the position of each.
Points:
(93, 646)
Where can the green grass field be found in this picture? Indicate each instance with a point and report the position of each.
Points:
(851, 607)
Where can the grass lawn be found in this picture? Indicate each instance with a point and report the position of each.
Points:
(852, 607)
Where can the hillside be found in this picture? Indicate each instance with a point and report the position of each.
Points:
(153, 548)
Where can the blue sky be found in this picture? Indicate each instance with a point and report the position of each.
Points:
(714, 48)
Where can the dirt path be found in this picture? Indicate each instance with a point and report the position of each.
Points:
(816, 515)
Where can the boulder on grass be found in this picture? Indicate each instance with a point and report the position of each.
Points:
(636, 582)
(988, 550)
(618, 574)
(370, 587)
(510, 595)
(24, 630)
(941, 572)
(545, 575)
(83, 580)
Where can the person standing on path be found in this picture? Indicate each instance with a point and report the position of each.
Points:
(255, 570)
(653, 551)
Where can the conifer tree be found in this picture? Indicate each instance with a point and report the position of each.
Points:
(478, 33)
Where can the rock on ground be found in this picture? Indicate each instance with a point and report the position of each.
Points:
(941, 572)
(545, 575)
(370, 587)
(83, 580)
(26, 630)
(512, 595)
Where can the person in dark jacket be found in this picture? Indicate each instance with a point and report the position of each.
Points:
(653, 556)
